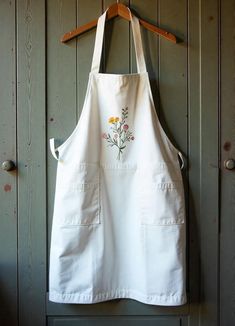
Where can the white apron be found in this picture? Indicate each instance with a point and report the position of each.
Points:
(118, 227)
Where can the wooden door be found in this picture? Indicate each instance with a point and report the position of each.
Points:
(8, 190)
(43, 84)
(227, 159)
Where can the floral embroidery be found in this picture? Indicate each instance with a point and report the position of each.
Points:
(120, 132)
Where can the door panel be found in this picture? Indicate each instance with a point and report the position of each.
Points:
(8, 189)
(227, 226)
(148, 321)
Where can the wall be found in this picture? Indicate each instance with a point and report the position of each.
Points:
(43, 84)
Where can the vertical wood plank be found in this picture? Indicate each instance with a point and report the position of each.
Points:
(8, 189)
(193, 160)
(61, 86)
(173, 72)
(227, 239)
(209, 172)
(31, 161)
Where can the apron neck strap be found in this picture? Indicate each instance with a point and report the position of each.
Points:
(141, 66)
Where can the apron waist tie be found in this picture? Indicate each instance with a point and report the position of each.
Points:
(182, 160)
(53, 149)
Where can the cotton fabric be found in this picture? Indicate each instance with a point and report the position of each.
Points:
(118, 227)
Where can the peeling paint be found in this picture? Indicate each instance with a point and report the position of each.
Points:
(7, 187)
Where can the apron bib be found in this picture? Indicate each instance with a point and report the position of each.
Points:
(118, 227)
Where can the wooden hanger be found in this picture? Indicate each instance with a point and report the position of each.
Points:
(117, 9)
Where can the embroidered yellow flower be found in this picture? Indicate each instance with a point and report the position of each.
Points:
(111, 120)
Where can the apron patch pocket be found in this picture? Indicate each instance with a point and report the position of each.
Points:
(80, 201)
(162, 204)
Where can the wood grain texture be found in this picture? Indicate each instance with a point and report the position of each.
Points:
(173, 73)
(193, 161)
(61, 86)
(31, 114)
(209, 165)
(227, 150)
(114, 10)
(8, 180)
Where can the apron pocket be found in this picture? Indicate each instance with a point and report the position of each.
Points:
(162, 204)
(78, 203)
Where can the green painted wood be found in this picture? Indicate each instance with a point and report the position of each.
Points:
(209, 171)
(193, 160)
(31, 139)
(148, 321)
(8, 184)
(173, 72)
(227, 200)
(61, 87)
